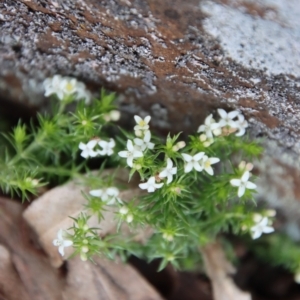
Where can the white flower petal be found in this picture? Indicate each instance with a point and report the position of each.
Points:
(222, 113)
(187, 157)
(233, 114)
(245, 176)
(235, 182)
(61, 250)
(214, 160)
(188, 167)
(197, 167)
(268, 229)
(138, 119)
(96, 193)
(209, 170)
(147, 119)
(143, 186)
(123, 153)
(241, 191)
(201, 128)
(250, 185)
(130, 161)
(256, 234)
(198, 156)
(67, 243)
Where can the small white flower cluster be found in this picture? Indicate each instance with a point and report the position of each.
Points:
(65, 87)
(136, 147)
(88, 149)
(108, 195)
(262, 225)
(243, 183)
(199, 162)
(230, 122)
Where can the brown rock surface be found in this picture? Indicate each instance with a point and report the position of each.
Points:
(26, 272)
(176, 60)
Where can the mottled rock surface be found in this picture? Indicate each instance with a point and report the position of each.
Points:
(177, 60)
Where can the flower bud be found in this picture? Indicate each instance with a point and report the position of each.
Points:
(217, 131)
(85, 227)
(84, 122)
(115, 115)
(85, 249)
(249, 166)
(167, 236)
(271, 213)
(257, 217)
(181, 145)
(129, 218)
(137, 166)
(175, 148)
(124, 210)
(83, 256)
(138, 133)
(106, 117)
(203, 137)
(242, 165)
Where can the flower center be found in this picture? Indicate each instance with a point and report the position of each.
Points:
(69, 87)
(207, 164)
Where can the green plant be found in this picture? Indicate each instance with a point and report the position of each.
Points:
(193, 191)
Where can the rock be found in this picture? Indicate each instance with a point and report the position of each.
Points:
(25, 272)
(52, 211)
(106, 280)
(9, 278)
(176, 60)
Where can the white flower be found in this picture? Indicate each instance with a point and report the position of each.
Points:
(260, 227)
(192, 162)
(243, 183)
(82, 92)
(150, 185)
(61, 243)
(66, 86)
(142, 124)
(242, 124)
(52, 86)
(115, 115)
(131, 153)
(169, 171)
(209, 126)
(143, 144)
(107, 147)
(109, 195)
(227, 118)
(88, 149)
(206, 163)
(69, 85)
